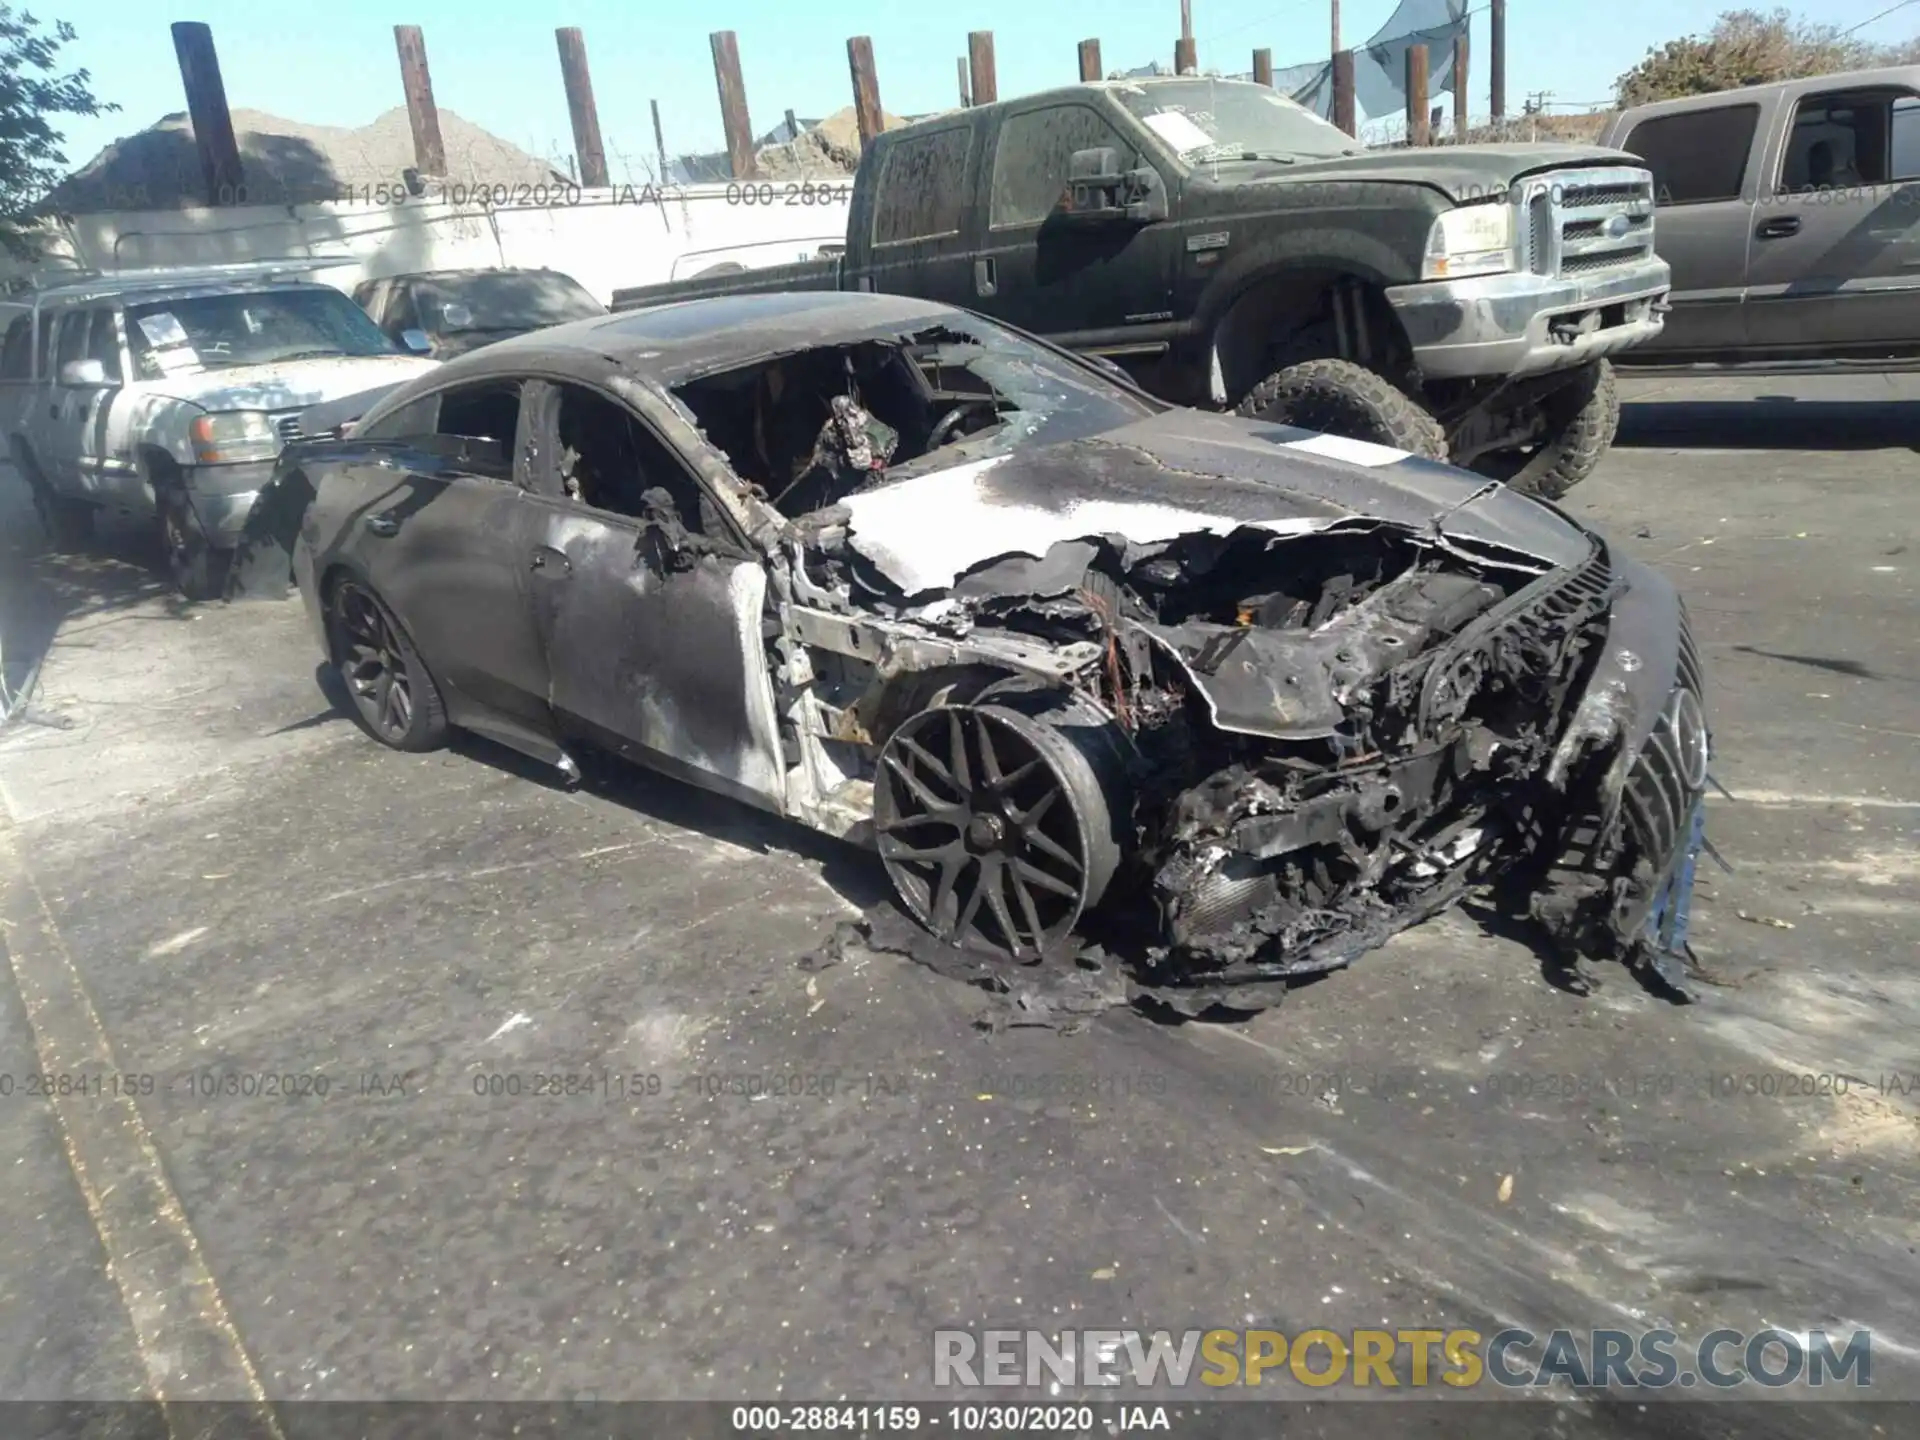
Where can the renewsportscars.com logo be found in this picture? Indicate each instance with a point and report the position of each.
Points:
(1603, 1359)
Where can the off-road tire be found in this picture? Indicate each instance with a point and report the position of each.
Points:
(427, 726)
(1339, 397)
(67, 524)
(1581, 419)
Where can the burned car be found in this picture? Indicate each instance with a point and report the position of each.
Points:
(918, 580)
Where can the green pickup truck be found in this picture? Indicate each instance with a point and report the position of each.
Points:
(1231, 249)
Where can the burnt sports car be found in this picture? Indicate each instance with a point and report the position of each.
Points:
(927, 583)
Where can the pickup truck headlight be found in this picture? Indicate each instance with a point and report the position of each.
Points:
(228, 436)
(1473, 240)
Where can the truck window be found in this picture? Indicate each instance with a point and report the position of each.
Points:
(923, 191)
(73, 339)
(1697, 155)
(1030, 162)
(1839, 139)
(103, 344)
(16, 356)
(1906, 139)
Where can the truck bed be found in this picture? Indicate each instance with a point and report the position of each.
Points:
(801, 275)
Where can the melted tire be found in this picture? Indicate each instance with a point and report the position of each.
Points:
(1339, 397)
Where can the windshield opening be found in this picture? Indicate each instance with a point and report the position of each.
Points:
(260, 327)
(503, 301)
(809, 429)
(1214, 121)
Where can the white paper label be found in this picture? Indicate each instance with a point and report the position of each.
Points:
(163, 329)
(1178, 131)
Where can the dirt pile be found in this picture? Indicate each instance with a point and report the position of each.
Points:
(830, 148)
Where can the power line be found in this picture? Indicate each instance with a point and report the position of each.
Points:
(1881, 16)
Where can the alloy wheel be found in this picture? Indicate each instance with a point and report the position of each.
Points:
(371, 662)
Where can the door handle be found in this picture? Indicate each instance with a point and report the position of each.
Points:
(1777, 227)
(385, 523)
(986, 280)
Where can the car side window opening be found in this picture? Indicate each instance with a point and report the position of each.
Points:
(1696, 156)
(608, 460)
(413, 420)
(811, 428)
(103, 344)
(50, 325)
(16, 355)
(921, 193)
(1841, 139)
(73, 339)
(1031, 162)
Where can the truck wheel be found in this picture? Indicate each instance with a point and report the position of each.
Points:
(199, 570)
(68, 524)
(1339, 397)
(1580, 420)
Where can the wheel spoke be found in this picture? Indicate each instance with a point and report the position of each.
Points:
(1032, 874)
(1031, 819)
(917, 787)
(925, 758)
(957, 740)
(940, 898)
(1014, 776)
(1051, 847)
(920, 855)
(398, 711)
(382, 692)
(1024, 897)
(981, 884)
(989, 761)
(1002, 917)
(909, 822)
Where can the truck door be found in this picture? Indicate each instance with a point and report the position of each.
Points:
(1107, 289)
(16, 375)
(1703, 164)
(1835, 261)
(919, 241)
(72, 412)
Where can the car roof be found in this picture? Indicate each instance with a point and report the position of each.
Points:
(686, 338)
(468, 271)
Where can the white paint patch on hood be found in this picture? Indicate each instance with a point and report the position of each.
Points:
(293, 385)
(926, 532)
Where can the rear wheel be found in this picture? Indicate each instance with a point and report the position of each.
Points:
(1340, 397)
(393, 696)
(67, 524)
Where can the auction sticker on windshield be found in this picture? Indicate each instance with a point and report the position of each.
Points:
(163, 329)
(1178, 131)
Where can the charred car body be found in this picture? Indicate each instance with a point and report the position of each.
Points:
(926, 583)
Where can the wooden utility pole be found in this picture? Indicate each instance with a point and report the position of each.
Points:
(1336, 28)
(733, 105)
(866, 88)
(966, 98)
(429, 152)
(1185, 59)
(207, 107)
(1497, 56)
(1417, 118)
(1090, 60)
(984, 89)
(1344, 114)
(1460, 92)
(580, 108)
(1263, 68)
(793, 127)
(659, 141)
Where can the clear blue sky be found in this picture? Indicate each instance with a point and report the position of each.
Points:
(495, 64)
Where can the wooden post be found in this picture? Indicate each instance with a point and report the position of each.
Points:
(1185, 58)
(985, 89)
(1090, 60)
(580, 108)
(960, 63)
(1417, 133)
(1461, 120)
(733, 105)
(429, 152)
(659, 141)
(866, 88)
(793, 127)
(1263, 68)
(1497, 56)
(207, 106)
(1336, 27)
(1343, 108)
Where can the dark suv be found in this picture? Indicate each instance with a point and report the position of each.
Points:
(444, 313)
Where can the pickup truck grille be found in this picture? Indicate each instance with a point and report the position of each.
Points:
(288, 426)
(1576, 222)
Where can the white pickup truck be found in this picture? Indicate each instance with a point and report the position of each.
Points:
(168, 395)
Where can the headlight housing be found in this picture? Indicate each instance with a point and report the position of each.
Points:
(1473, 240)
(227, 436)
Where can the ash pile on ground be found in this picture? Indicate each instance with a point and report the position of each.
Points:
(1065, 991)
(830, 148)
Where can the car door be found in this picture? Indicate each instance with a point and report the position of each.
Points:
(1703, 162)
(649, 603)
(1104, 288)
(107, 462)
(444, 538)
(71, 410)
(1835, 263)
(16, 372)
(922, 217)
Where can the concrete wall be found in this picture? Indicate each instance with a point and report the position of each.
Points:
(632, 235)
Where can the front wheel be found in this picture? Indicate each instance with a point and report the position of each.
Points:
(393, 696)
(1577, 423)
(197, 568)
(1339, 397)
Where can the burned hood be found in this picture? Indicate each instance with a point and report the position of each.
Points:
(1186, 472)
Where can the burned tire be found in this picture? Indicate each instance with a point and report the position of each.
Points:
(67, 524)
(1339, 397)
(995, 820)
(394, 697)
(1580, 420)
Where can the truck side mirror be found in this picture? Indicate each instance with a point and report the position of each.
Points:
(1101, 193)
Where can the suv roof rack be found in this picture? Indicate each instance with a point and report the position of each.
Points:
(89, 284)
